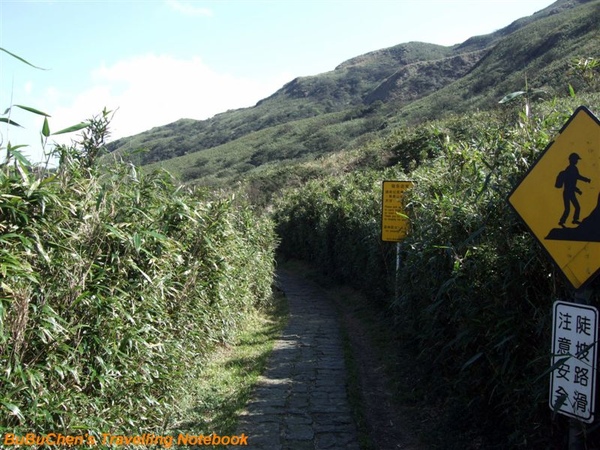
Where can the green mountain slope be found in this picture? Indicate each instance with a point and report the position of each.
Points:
(305, 97)
(539, 54)
(367, 96)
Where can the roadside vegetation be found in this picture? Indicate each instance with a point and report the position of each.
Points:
(475, 290)
(116, 287)
(221, 382)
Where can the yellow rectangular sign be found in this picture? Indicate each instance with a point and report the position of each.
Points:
(394, 223)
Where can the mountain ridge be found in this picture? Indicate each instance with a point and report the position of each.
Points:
(405, 83)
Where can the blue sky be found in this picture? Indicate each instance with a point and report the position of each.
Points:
(155, 62)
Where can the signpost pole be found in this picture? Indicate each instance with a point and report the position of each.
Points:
(397, 288)
(575, 432)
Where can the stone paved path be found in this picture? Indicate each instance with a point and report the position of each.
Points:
(300, 402)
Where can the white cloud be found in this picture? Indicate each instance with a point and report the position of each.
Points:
(188, 8)
(153, 90)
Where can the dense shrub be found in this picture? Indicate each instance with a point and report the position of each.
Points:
(112, 284)
(334, 224)
(476, 291)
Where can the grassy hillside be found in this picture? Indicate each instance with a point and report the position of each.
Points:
(539, 55)
(301, 98)
(297, 141)
(371, 95)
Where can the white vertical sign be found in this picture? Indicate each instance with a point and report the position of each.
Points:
(574, 353)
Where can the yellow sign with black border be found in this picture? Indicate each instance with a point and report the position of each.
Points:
(559, 198)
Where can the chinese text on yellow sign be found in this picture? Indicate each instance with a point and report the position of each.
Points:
(394, 223)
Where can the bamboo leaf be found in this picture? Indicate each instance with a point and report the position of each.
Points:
(472, 237)
(46, 128)
(559, 362)
(472, 360)
(144, 274)
(14, 410)
(79, 126)
(511, 96)
(33, 187)
(10, 122)
(32, 110)
(41, 251)
(158, 236)
(21, 59)
(19, 156)
(137, 242)
(11, 148)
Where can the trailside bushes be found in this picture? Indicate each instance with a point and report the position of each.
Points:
(113, 284)
(334, 224)
(475, 289)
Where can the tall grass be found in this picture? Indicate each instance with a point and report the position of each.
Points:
(112, 283)
(333, 223)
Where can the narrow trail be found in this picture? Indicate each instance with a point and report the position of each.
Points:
(300, 401)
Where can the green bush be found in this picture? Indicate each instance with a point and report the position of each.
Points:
(333, 223)
(476, 289)
(113, 283)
